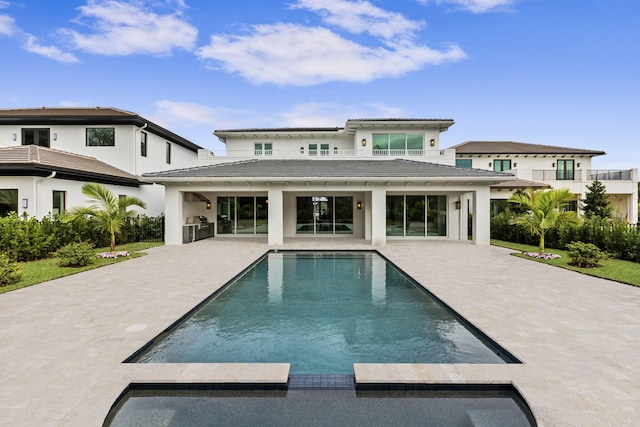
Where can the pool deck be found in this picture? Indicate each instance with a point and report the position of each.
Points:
(62, 342)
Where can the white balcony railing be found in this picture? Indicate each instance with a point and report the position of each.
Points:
(581, 175)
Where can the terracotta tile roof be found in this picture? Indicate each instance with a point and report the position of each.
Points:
(38, 161)
(510, 147)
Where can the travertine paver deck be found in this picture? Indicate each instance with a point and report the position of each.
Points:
(62, 342)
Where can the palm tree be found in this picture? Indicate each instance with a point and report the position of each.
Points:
(109, 211)
(543, 211)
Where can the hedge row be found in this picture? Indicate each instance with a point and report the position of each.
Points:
(619, 239)
(27, 239)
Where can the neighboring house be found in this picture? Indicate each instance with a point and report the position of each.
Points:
(47, 154)
(374, 179)
(544, 166)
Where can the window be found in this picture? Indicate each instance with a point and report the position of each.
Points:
(313, 149)
(268, 148)
(8, 201)
(565, 170)
(101, 137)
(242, 215)
(36, 137)
(464, 163)
(501, 165)
(143, 144)
(324, 149)
(397, 144)
(257, 149)
(59, 202)
(168, 153)
(570, 206)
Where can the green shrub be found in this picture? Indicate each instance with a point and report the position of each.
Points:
(10, 272)
(75, 254)
(585, 255)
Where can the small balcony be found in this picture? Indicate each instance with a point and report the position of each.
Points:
(581, 175)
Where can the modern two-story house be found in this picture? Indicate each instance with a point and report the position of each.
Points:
(373, 179)
(47, 154)
(544, 166)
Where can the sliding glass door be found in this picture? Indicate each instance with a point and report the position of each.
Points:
(416, 215)
(242, 215)
(324, 215)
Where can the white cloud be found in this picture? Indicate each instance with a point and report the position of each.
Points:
(125, 28)
(51, 52)
(294, 54)
(361, 17)
(475, 6)
(184, 115)
(7, 25)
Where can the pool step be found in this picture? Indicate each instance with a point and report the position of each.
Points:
(310, 381)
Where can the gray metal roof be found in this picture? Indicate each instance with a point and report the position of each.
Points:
(511, 147)
(88, 116)
(394, 168)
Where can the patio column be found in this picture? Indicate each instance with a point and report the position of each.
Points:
(378, 217)
(481, 217)
(172, 216)
(276, 217)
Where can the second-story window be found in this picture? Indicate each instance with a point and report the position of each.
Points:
(268, 148)
(101, 137)
(313, 149)
(32, 136)
(397, 144)
(565, 169)
(324, 149)
(168, 153)
(501, 165)
(143, 144)
(258, 149)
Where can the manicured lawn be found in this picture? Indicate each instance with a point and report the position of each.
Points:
(48, 269)
(613, 269)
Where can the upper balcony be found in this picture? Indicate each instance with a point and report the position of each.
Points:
(447, 156)
(581, 175)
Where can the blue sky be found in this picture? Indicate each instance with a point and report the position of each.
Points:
(557, 72)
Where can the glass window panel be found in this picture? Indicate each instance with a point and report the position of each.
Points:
(143, 144)
(344, 215)
(32, 136)
(268, 148)
(415, 142)
(313, 149)
(257, 149)
(464, 163)
(437, 215)
(101, 137)
(324, 149)
(43, 137)
(565, 170)
(262, 215)
(226, 213)
(380, 144)
(28, 136)
(59, 202)
(415, 216)
(304, 215)
(397, 141)
(168, 153)
(395, 215)
(501, 165)
(323, 214)
(245, 214)
(8, 201)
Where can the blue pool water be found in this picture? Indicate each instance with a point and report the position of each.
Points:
(322, 312)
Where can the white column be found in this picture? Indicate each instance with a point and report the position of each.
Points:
(378, 217)
(481, 217)
(276, 217)
(173, 221)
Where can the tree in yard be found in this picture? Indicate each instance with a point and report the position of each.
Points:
(595, 202)
(543, 211)
(109, 211)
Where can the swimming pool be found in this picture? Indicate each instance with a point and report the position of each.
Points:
(322, 312)
(186, 405)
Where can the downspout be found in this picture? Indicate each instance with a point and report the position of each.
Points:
(35, 192)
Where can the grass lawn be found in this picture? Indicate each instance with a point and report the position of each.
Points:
(613, 269)
(48, 269)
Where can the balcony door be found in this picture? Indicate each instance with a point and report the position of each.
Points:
(565, 170)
